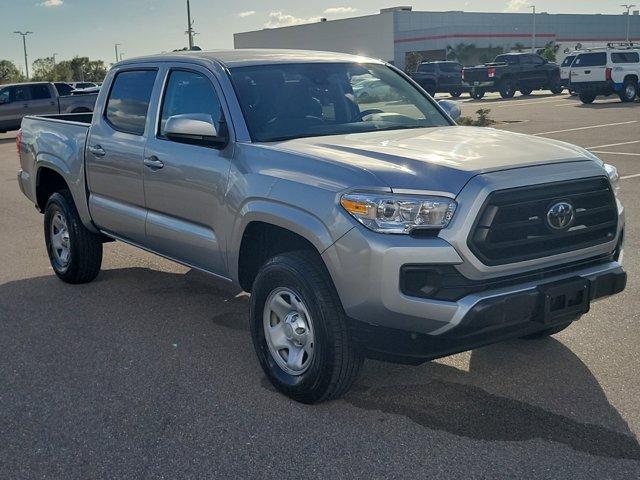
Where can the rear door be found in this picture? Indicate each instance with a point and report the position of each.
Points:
(14, 105)
(539, 73)
(115, 151)
(42, 100)
(589, 67)
(450, 75)
(185, 184)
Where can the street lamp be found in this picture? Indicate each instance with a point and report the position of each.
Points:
(533, 32)
(628, 7)
(24, 44)
(117, 56)
(54, 59)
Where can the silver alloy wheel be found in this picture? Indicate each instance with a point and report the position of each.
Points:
(288, 329)
(60, 240)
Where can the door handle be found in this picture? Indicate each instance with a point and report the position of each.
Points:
(153, 162)
(97, 151)
(587, 71)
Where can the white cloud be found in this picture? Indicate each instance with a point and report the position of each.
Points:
(52, 3)
(340, 10)
(248, 13)
(516, 5)
(280, 19)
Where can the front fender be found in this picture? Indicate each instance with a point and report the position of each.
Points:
(292, 218)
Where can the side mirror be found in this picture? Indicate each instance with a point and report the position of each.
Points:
(196, 129)
(451, 108)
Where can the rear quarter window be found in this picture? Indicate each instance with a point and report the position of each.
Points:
(128, 101)
(598, 59)
(625, 57)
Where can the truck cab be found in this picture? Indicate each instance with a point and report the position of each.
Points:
(437, 77)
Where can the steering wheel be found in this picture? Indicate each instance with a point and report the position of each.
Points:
(368, 112)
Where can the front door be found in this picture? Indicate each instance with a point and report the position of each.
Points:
(115, 152)
(185, 184)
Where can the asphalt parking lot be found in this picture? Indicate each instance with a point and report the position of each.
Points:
(149, 372)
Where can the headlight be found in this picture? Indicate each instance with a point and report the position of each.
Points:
(398, 214)
(614, 177)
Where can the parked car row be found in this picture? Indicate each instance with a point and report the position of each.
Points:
(41, 98)
(614, 69)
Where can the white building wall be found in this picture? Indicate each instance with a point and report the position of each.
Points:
(371, 36)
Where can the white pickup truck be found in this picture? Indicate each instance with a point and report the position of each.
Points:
(375, 229)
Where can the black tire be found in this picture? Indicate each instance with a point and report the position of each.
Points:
(507, 88)
(477, 93)
(555, 85)
(526, 91)
(84, 247)
(587, 97)
(336, 360)
(547, 332)
(455, 93)
(629, 91)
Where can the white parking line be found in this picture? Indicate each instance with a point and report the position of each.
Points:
(617, 153)
(613, 144)
(587, 128)
(635, 175)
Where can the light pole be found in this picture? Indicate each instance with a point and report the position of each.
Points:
(117, 56)
(54, 59)
(628, 7)
(24, 44)
(189, 25)
(533, 32)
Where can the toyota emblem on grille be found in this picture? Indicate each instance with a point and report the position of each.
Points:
(560, 216)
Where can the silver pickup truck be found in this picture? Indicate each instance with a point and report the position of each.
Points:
(39, 98)
(376, 230)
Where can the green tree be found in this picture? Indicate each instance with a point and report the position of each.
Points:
(9, 73)
(43, 69)
(549, 51)
(80, 69)
(518, 47)
(462, 52)
(412, 61)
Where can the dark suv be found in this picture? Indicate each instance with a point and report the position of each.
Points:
(437, 77)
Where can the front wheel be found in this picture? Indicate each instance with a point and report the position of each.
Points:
(455, 93)
(75, 253)
(629, 91)
(526, 90)
(299, 329)
(587, 97)
(555, 85)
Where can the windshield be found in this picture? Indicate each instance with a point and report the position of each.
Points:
(288, 101)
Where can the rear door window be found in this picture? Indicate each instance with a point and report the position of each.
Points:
(129, 99)
(625, 57)
(450, 67)
(596, 59)
(427, 68)
(40, 92)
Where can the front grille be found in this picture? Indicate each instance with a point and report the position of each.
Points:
(512, 225)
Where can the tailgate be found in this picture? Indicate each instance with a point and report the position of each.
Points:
(476, 74)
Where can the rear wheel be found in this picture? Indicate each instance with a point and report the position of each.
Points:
(300, 331)
(455, 93)
(587, 97)
(75, 253)
(629, 91)
(507, 88)
(547, 332)
(477, 93)
(555, 85)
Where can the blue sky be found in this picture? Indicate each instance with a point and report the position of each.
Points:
(92, 27)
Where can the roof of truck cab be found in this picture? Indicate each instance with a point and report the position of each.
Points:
(247, 57)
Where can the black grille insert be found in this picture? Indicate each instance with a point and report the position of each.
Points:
(512, 225)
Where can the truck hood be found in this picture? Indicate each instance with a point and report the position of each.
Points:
(439, 159)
